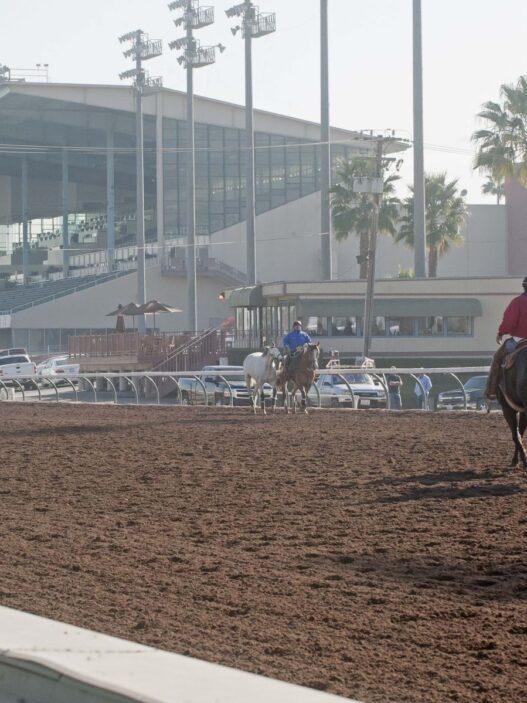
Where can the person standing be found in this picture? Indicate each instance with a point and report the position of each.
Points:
(395, 383)
(422, 398)
(119, 324)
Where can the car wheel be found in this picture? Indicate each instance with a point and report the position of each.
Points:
(483, 405)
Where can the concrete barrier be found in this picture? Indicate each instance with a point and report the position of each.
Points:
(43, 661)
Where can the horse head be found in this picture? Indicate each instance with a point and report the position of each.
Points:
(311, 354)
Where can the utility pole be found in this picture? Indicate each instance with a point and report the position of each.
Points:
(419, 172)
(194, 56)
(142, 49)
(254, 24)
(325, 147)
(376, 188)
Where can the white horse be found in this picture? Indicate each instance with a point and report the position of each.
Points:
(260, 368)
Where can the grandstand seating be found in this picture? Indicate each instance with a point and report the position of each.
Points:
(22, 297)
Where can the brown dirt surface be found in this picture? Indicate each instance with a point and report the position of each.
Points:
(376, 555)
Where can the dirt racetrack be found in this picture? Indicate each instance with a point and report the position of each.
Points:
(375, 555)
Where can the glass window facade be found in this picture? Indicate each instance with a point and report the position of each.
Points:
(286, 168)
(274, 322)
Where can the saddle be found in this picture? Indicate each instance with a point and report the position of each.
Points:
(510, 359)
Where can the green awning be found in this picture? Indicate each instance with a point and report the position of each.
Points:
(247, 297)
(391, 307)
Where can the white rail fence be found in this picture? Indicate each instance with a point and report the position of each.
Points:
(151, 388)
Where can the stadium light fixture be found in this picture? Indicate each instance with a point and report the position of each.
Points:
(254, 24)
(193, 55)
(141, 49)
(236, 10)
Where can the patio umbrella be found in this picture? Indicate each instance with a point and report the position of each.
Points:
(154, 306)
(130, 310)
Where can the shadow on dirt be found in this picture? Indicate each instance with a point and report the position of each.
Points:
(432, 479)
(492, 581)
(453, 493)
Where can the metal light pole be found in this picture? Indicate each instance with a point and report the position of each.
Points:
(419, 172)
(141, 50)
(194, 56)
(254, 24)
(376, 189)
(325, 147)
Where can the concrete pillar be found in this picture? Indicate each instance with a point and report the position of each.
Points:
(65, 213)
(160, 181)
(110, 198)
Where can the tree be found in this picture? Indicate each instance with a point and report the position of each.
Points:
(352, 213)
(502, 146)
(493, 187)
(446, 213)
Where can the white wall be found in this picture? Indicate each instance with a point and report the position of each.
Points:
(88, 308)
(288, 246)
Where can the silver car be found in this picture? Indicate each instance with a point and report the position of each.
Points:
(335, 393)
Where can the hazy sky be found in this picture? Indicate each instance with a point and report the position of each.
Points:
(471, 47)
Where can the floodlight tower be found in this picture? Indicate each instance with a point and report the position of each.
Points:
(254, 24)
(142, 49)
(325, 147)
(419, 171)
(194, 56)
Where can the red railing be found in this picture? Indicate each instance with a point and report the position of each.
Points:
(204, 349)
(145, 348)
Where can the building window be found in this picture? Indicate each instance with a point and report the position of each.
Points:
(458, 326)
(430, 326)
(378, 328)
(345, 326)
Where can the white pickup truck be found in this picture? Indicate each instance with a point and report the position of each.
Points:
(15, 365)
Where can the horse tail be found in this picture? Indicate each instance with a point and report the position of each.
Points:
(249, 381)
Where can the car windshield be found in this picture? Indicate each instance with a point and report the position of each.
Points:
(62, 362)
(13, 360)
(475, 383)
(354, 378)
(239, 377)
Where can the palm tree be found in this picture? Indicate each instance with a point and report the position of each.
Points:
(495, 187)
(353, 212)
(502, 146)
(446, 212)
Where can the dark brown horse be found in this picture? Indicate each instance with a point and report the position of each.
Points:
(512, 396)
(301, 376)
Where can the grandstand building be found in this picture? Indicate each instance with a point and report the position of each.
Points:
(67, 175)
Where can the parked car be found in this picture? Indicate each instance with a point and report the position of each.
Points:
(16, 367)
(475, 391)
(217, 389)
(55, 367)
(334, 392)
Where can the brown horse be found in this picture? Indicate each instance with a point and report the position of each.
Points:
(301, 376)
(512, 396)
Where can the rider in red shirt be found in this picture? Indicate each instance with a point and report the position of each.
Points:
(514, 324)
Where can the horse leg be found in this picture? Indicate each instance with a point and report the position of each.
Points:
(511, 417)
(274, 398)
(262, 400)
(522, 425)
(252, 391)
(304, 399)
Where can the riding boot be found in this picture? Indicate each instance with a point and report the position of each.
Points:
(494, 373)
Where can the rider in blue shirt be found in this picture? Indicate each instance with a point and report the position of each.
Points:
(296, 338)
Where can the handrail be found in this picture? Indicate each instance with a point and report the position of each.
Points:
(185, 347)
